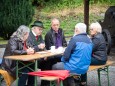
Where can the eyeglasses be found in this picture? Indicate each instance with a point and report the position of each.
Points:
(40, 29)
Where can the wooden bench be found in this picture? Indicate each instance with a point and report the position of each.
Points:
(101, 68)
(7, 77)
(53, 80)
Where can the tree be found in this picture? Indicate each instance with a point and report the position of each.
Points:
(13, 14)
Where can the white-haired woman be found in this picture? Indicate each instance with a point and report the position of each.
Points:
(99, 55)
(16, 46)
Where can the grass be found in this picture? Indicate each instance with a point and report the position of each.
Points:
(69, 12)
(69, 17)
(2, 41)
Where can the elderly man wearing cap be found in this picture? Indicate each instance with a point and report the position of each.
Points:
(35, 39)
(36, 42)
(77, 56)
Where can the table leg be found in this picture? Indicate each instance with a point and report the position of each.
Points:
(36, 66)
(17, 73)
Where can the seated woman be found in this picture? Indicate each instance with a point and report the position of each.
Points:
(99, 54)
(16, 46)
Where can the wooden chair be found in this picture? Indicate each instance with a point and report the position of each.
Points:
(4, 74)
(7, 77)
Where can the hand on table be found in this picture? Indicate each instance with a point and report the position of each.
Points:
(30, 50)
(41, 46)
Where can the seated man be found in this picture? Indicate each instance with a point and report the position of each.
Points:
(77, 56)
(36, 41)
(55, 37)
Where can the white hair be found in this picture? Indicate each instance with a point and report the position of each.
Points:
(81, 27)
(21, 31)
(96, 26)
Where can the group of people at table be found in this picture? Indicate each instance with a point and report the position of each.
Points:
(82, 50)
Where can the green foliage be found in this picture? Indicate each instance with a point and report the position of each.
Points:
(51, 5)
(69, 20)
(112, 2)
(2, 41)
(13, 14)
(66, 23)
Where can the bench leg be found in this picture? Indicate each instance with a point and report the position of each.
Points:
(108, 76)
(61, 83)
(99, 81)
(53, 83)
(105, 69)
(0, 80)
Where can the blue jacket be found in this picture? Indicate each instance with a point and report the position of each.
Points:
(77, 56)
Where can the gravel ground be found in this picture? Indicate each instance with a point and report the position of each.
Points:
(93, 77)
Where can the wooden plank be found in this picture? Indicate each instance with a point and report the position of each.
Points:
(37, 55)
(95, 67)
(49, 78)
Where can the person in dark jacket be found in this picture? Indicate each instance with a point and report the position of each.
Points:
(55, 36)
(16, 46)
(36, 41)
(77, 56)
(99, 53)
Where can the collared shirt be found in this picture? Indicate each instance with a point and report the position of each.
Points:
(36, 37)
(58, 39)
(34, 33)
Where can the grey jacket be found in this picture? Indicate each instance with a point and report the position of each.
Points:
(14, 47)
(32, 42)
(99, 47)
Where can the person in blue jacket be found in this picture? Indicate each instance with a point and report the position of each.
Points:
(77, 56)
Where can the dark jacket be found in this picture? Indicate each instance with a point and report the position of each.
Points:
(50, 38)
(32, 42)
(99, 47)
(77, 56)
(14, 47)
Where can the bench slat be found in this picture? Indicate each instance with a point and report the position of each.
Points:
(95, 67)
(48, 78)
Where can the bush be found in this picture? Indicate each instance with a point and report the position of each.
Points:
(13, 14)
